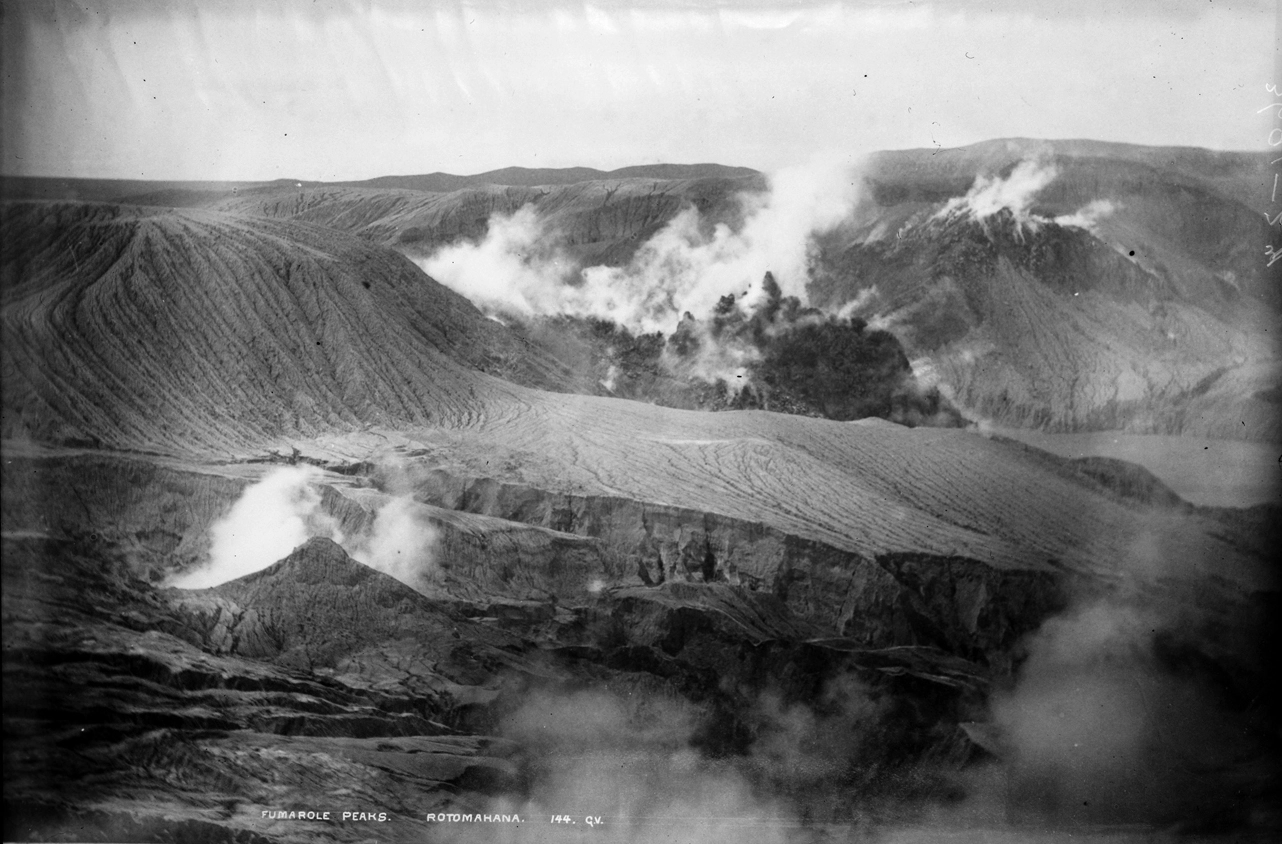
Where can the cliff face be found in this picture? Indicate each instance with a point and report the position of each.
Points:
(963, 606)
(501, 542)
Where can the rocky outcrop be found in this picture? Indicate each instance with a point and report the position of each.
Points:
(119, 726)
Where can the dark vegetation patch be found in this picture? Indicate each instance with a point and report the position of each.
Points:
(777, 355)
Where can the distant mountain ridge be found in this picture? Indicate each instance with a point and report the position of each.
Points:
(118, 190)
(527, 177)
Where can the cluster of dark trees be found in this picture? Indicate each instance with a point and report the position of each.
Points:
(800, 361)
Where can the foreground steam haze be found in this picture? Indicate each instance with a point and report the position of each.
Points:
(684, 497)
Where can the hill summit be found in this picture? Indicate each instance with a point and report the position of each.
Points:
(189, 330)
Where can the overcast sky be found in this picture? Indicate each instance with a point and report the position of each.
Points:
(177, 90)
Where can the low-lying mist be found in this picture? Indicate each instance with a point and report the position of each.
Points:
(1112, 720)
(636, 757)
(1143, 704)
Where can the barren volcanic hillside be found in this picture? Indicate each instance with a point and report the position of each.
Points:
(199, 333)
(1074, 286)
(182, 331)
(930, 175)
(1125, 291)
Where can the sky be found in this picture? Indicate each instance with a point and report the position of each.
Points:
(352, 90)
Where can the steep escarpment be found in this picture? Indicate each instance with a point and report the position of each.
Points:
(840, 593)
(499, 542)
(825, 655)
(868, 489)
(182, 331)
(318, 606)
(158, 516)
(908, 537)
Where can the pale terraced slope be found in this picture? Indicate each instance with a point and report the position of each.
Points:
(196, 331)
(868, 489)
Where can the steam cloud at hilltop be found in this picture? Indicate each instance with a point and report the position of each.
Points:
(990, 194)
(518, 266)
(1015, 193)
(269, 520)
(283, 510)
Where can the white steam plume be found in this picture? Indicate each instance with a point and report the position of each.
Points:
(1089, 215)
(726, 358)
(515, 268)
(681, 269)
(684, 267)
(1015, 193)
(627, 754)
(269, 520)
(1076, 705)
(990, 194)
(863, 299)
(401, 543)
(801, 742)
(283, 510)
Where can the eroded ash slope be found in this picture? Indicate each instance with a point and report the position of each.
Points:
(1124, 289)
(197, 331)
